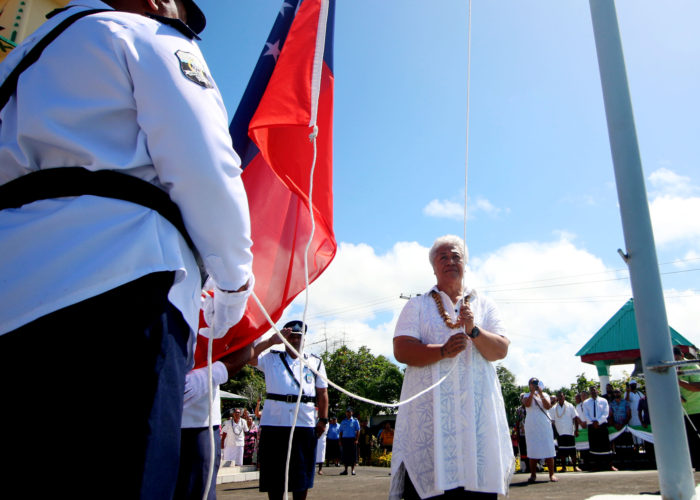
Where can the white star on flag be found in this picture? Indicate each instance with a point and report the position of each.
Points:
(285, 5)
(273, 49)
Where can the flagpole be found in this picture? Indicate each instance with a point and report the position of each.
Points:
(670, 444)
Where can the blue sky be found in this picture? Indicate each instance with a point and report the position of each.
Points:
(544, 224)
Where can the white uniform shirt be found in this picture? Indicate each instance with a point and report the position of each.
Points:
(278, 380)
(563, 417)
(596, 410)
(109, 93)
(457, 434)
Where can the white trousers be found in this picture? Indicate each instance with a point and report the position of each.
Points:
(234, 453)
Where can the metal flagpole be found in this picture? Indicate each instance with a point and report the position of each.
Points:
(670, 444)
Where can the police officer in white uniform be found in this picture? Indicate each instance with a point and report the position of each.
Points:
(116, 169)
(282, 380)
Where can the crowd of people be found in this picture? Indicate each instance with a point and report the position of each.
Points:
(546, 427)
(240, 435)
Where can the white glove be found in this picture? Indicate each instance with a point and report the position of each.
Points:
(225, 310)
(197, 385)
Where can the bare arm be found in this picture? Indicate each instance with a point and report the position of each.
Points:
(491, 345)
(413, 352)
(266, 344)
(237, 359)
(545, 401)
(322, 403)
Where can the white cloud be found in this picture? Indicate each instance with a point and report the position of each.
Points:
(484, 205)
(444, 209)
(675, 220)
(682, 308)
(553, 296)
(674, 209)
(452, 210)
(689, 260)
(666, 181)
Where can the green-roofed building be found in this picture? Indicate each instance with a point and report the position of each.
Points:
(616, 343)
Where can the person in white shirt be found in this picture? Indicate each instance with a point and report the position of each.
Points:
(565, 418)
(285, 375)
(595, 413)
(116, 174)
(235, 429)
(633, 396)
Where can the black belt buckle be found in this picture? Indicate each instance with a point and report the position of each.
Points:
(291, 398)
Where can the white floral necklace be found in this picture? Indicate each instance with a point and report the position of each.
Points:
(237, 427)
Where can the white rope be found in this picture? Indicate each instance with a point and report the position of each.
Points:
(302, 362)
(466, 156)
(316, 75)
(333, 384)
(210, 422)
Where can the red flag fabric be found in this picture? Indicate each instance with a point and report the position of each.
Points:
(270, 131)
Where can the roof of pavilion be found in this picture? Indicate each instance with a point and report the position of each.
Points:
(616, 342)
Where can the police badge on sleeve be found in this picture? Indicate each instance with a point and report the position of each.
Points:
(193, 69)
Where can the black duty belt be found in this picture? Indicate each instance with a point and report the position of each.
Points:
(291, 398)
(77, 181)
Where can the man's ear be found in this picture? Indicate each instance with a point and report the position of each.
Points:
(152, 5)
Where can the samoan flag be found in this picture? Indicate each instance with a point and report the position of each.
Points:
(270, 132)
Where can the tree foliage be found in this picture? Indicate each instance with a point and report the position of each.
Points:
(510, 391)
(362, 373)
(249, 382)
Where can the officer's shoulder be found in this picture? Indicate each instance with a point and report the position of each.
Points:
(137, 24)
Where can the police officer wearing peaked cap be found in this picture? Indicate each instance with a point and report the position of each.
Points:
(282, 371)
(114, 154)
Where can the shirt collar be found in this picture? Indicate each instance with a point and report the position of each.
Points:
(468, 292)
(97, 4)
(177, 24)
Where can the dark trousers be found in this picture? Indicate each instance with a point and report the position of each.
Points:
(693, 438)
(195, 454)
(409, 493)
(99, 386)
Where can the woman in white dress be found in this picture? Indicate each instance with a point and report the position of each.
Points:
(452, 442)
(539, 435)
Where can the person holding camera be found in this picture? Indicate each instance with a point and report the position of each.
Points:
(538, 430)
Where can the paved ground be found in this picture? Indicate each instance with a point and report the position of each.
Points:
(373, 483)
